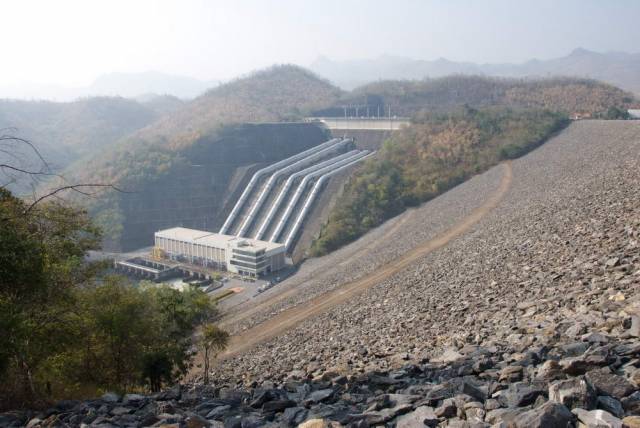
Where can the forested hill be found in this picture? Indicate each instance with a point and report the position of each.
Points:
(617, 68)
(284, 92)
(276, 94)
(567, 95)
(160, 154)
(64, 132)
(432, 155)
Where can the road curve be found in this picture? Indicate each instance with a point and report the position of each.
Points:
(247, 313)
(293, 316)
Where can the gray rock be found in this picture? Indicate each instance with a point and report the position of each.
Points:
(491, 404)
(502, 415)
(634, 329)
(218, 412)
(595, 338)
(319, 396)
(120, 410)
(596, 419)
(294, 416)
(447, 409)
(33, 423)
(251, 421)
(574, 392)
(611, 405)
(110, 397)
(277, 405)
(607, 383)
(385, 415)
(631, 403)
(474, 391)
(264, 395)
(511, 374)
(442, 391)
(575, 366)
(422, 416)
(448, 356)
(234, 421)
(549, 415)
(132, 399)
(549, 371)
(196, 421)
(574, 349)
(520, 394)
(173, 393)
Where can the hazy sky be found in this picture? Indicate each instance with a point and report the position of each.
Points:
(67, 42)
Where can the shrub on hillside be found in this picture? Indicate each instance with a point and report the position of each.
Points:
(434, 154)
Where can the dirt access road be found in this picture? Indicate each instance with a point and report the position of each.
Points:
(293, 316)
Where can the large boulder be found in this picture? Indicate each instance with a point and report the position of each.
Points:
(574, 392)
(422, 416)
(520, 394)
(596, 419)
(607, 383)
(611, 405)
(549, 415)
(132, 399)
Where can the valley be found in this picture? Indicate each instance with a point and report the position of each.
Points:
(236, 241)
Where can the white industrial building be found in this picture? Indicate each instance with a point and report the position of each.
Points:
(224, 252)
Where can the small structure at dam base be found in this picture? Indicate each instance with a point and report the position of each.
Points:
(145, 268)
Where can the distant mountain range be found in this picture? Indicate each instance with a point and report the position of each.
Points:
(128, 85)
(618, 68)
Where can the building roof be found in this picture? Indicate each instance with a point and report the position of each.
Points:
(215, 239)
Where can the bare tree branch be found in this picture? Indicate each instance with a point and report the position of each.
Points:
(14, 171)
(14, 139)
(74, 187)
(24, 171)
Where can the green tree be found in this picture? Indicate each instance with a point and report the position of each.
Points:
(135, 335)
(41, 265)
(214, 340)
(69, 329)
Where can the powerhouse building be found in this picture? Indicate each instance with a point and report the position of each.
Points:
(224, 252)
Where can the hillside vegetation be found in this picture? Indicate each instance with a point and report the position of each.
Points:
(158, 154)
(429, 157)
(276, 94)
(141, 160)
(81, 126)
(279, 93)
(66, 328)
(65, 132)
(408, 97)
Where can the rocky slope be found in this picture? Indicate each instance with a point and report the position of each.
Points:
(571, 208)
(531, 319)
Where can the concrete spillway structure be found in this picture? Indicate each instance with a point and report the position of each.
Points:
(289, 183)
(264, 171)
(311, 197)
(282, 172)
(301, 188)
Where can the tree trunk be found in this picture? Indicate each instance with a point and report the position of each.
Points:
(206, 366)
